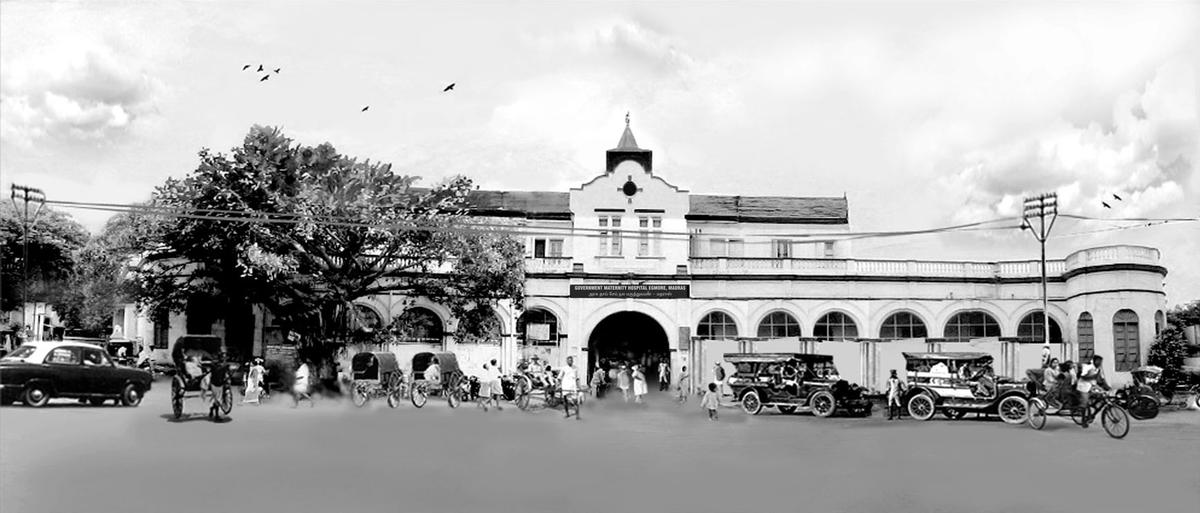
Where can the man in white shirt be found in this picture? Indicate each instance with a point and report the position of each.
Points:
(1089, 377)
(569, 380)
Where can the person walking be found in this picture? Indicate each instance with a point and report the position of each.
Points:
(684, 387)
(569, 384)
(623, 381)
(895, 391)
(639, 384)
(300, 388)
(489, 383)
(598, 382)
(711, 402)
(254, 382)
(664, 376)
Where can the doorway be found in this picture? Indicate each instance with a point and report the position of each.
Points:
(629, 337)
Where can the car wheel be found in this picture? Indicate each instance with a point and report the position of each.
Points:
(1037, 414)
(1013, 409)
(823, 404)
(97, 401)
(36, 396)
(921, 407)
(787, 409)
(131, 396)
(751, 404)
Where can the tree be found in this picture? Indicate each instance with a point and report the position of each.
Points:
(306, 231)
(54, 239)
(1170, 348)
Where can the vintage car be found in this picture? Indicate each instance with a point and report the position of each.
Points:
(793, 382)
(39, 371)
(957, 384)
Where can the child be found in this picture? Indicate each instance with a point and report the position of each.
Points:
(683, 385)
(710, 401)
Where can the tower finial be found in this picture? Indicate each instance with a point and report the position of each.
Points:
(626, 118)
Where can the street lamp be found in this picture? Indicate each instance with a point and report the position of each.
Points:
(1041, 207)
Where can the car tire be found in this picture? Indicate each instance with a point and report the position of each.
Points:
(36, 396)
(1013, 409)
(131, 396)
(823, 404)
(751, 403)
(921, 407)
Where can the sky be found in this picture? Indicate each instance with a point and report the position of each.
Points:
(923, 114)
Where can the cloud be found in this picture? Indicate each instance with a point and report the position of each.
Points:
(92, 96)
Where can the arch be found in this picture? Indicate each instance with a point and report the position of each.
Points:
(543, 336)
(779, 324)
(903, 324)
(835, 325)
(420, 324)
(1085, 333)
(1160, 322)
(717, 324)
(366, 318)
(1030, 328)
(1126, 344)
(631, 337)
(968, 324)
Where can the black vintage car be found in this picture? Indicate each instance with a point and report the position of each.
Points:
(39, 371)
(793, 382)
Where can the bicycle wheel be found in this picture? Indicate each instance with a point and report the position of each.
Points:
(226, 399)
(1037, 414)
(419, 396)
(1115, 421)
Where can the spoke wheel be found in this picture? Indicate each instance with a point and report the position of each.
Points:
(226, 403)
(1037, 414)
(359, 396)
(1013, 409)
(751, 403)
(419, 396)
(393, 399)
(453, 397)
(1115, 421)
(36, 396)
(1143, 407)
(177, 396)
(823, 404)
(921, 407)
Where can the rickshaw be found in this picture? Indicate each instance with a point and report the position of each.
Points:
(533, 380)
(452, 383)
(376, 374)
(1149, 391)
(211, 377)
(1102, 405)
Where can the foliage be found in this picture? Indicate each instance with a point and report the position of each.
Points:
(1187, 314)
(1168, 351)
(54, 239)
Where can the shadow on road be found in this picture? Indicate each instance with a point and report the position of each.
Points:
(189, 417)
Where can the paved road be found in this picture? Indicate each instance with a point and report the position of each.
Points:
(660, 458)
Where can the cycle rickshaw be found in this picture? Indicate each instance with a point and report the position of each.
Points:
(1101, 404)
(376, 374)
(201, 368)
(451, 384)
(1149, 391)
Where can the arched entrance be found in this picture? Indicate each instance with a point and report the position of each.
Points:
(630, 337)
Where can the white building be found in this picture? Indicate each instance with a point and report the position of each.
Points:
(631, 265)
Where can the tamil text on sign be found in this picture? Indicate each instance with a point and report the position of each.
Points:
(630, 291)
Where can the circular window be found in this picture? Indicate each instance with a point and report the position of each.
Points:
(629, 188)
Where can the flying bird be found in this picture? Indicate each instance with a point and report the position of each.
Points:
(1118, 197)
(260, 68)
(246, 67)
(365, 108)
(264, 78)
(1105, 204)
(277, 70)
(449, 87)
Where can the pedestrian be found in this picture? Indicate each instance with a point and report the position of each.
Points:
(664, 376)
(710, 401)
(569, 384)
(895, 391)
(300, 386)
(719, 377)
(623, 381)
(254, 382)
(598, 382)
(685, 387)
(490, 380)
(496, 389)
(639, 383)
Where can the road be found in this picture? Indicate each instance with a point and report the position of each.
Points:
(658, 458)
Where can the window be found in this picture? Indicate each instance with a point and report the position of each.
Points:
(733, 248)
(1159, 320)
(649, 236)
(543, 248)
(95, 358)
(965, 326)
(419, 324)
(610, 240)
(718, 325)
(779, 324)
(828, 249)
(1087, 341)
(835, 326)
(1031, 329)
(1126, 347)
(366, 319)
(538, 327)
(781, 248)
(162, 327)
(902, 325)
(64, 356)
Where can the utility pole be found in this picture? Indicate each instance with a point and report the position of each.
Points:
(26, 195)
(1042, 206)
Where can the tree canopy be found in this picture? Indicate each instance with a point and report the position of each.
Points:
(54, 239)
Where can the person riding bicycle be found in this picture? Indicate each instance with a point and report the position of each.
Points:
(1091, 375)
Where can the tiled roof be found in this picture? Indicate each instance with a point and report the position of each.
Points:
(746, 209)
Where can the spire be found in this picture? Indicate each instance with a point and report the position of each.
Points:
(627, 149)
(627, 141)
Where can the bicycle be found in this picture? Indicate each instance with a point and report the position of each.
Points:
(1113, 416)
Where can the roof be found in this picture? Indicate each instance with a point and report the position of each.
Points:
(533, 205)
(947, 356)
(627, 141)
(769, 209)
(775, 357)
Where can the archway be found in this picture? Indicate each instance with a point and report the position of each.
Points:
(630, 337)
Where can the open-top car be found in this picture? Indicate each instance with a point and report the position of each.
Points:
(961, 383)
(793, 382)
(39, 371)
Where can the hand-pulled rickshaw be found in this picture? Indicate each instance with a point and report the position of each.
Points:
(201, 367)
(1149, 391)
(449, 382)
(1101, 404)
(377, 374)
(535, 380)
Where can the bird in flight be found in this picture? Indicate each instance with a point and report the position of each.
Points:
(365, 108)
(246, 67)
(277, 70)
(260, 68)
(449, 87)
(264, 78)
(1118, 197)
(1105, 204)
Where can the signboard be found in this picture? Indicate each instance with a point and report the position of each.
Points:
(537, 332)
(631, 291)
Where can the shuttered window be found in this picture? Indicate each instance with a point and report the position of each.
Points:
(1087, 341)
(1126, 346)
